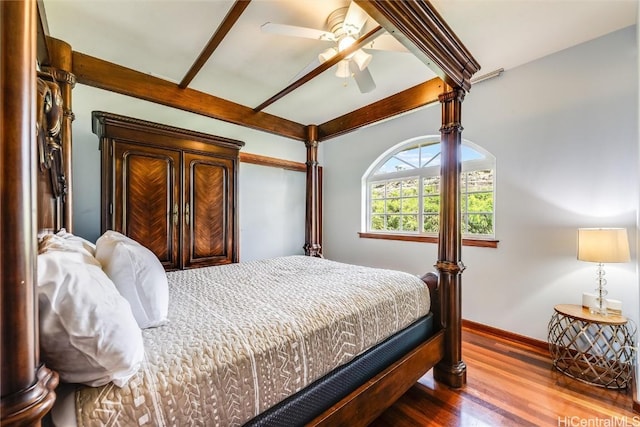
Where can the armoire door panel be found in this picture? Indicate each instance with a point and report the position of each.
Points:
(209, 224)
(148, 190)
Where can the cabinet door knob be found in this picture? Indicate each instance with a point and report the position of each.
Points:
(175, 214)
(186, 213)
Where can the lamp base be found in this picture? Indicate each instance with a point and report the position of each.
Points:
(600, 303)
(599, 311)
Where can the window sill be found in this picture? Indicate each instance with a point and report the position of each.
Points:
(482, 243)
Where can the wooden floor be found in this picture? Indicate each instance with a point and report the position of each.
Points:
(509, 384)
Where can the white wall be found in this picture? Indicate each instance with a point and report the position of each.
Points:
(564, 130)
(272, 211)
(271, 200)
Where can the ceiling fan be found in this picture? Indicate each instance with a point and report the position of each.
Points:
(344, 26)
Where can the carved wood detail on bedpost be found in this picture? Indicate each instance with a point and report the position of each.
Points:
(312, 246)
(27, 387)
(59, 69)
(451, 370)
(52, 181)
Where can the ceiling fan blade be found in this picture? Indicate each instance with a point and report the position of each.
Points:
(386, 42)
(295, 31)
(355, 19)
(363, 78)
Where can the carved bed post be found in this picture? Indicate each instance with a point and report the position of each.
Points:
(26, 386)
(312, 245)
(451, 370)
(60, 58)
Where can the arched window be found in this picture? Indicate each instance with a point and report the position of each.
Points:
(401, 190)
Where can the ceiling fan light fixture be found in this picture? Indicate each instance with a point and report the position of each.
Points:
(344, 43)
(327, 55)
(362, 59)
(343, 69)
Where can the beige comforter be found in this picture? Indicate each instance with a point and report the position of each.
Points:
(243, 337)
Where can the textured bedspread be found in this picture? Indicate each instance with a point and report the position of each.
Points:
(243, 337)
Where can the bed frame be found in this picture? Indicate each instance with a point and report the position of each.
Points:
(36, 195)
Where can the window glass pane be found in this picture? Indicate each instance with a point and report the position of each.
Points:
(393, 165)
(480, 224)
(393, 222)
(377, 206)
(481, 180)
(393, 189)
(431, 223)
(410, 222)
(411, 156)
(410, 188)
(431, 204)
(431, 185)
(410, 205)
(430, 155)
(479, 202)
(393, 205)
(377, 222)
(377, 191)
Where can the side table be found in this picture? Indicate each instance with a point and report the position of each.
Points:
(592, 348)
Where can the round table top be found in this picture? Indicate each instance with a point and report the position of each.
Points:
(582, 313)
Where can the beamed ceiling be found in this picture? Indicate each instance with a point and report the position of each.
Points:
(212, 58)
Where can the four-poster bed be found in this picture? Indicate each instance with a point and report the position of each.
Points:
(29, 186)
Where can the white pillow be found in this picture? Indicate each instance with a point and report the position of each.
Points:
(77, 240)
(55, 242)
(87, 331)
(138, 275)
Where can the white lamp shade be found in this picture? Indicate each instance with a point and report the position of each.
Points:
(362, 59)
(327, 55)
(603, 245)
(343, 69)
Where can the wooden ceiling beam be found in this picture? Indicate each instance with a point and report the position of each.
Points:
(407, 100)
(419, 27)
(362, 41)
(105, 75)
(227, 23)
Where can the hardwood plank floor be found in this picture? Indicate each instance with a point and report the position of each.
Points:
(509, 384)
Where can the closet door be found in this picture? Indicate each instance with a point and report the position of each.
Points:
(208, 215)
(147, 198)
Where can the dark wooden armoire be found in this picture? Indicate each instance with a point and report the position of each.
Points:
(173, 190)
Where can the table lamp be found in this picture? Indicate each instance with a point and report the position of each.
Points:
(602, 245)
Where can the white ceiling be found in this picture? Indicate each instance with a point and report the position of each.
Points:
(164, 37)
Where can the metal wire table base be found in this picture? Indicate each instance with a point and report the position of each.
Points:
(592, 352)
